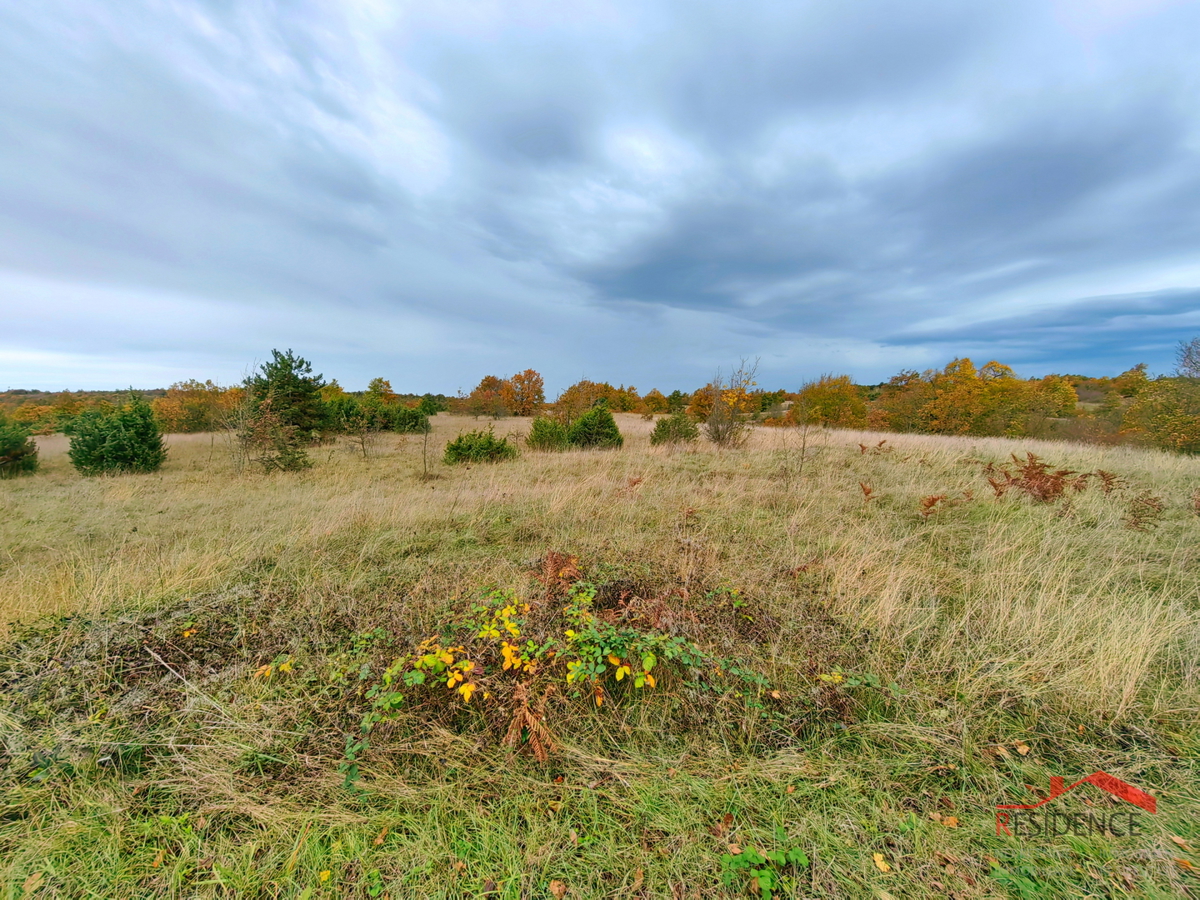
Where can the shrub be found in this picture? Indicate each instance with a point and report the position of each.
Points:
(675, 429)
(274, 445)
(18, 451)
(479, 446)
(406, 420)
(546, 434)
(596, 428)
(125, 439)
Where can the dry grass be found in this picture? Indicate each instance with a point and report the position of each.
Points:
(1030, 592)
(1000, 616)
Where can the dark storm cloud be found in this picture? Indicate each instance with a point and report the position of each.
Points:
(637, 192)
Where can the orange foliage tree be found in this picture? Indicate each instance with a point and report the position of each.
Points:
(192, 406)
(525, 393)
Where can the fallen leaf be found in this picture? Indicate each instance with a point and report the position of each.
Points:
(880, 863)
(574, 836)
(158, 860)
(734, 850)
(791, 789)
(950, 822)
(489, 887)
(1022, 748)
(720, 828)
(379, 838)
(1185, 864)
(33, 882)
(1180, 841)
(935, 817)
(324, 875)
(639, 879)
(460, 866)
(558, 889)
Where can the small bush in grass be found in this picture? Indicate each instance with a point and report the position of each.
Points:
(596, 428)
(546, 434)
(18, 451)
(479, 446)
(675, 429)
(125, 439)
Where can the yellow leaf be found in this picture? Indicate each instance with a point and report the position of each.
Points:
(467, 690)
(650, 680)
(158, 860)
(613, 659)
(1022, 748)
(950, 822)
(324, 876)
(622, 671)
(285, 666)
(881, 863)
(263, 672)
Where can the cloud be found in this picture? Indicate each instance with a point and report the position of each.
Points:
(634, 192)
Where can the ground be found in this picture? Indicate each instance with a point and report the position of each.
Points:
(213, 681)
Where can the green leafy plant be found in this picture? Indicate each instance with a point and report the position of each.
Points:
(677, 428)
(595, 429)
(478, 447)
(18, 451)
(763, 872)
(547, 435)
(125, 439)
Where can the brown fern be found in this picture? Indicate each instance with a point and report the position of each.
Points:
(929, 505)
(1144, 511)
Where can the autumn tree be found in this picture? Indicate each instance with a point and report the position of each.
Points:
(831, 400)
(1166, 412)
(526, 393)
(193, 406)
(655, 401)
(487, 399)
(582, 396)
(901, 403)
(379, 390)
(730, 406)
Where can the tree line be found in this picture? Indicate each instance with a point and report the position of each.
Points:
(285, 406)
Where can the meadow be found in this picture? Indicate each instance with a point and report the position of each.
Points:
(879, 645)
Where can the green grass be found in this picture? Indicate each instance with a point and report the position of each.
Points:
(143, 757)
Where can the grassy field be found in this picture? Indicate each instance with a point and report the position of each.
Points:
(860, 673)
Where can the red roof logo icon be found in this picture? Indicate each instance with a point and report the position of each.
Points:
(1102, 780)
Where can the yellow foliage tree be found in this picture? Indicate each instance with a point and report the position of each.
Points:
(831, 400)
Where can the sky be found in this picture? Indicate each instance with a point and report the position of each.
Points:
(638, 192)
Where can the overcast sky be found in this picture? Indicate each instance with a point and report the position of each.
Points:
(636, 192)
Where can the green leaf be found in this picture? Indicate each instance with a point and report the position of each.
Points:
(648, 661)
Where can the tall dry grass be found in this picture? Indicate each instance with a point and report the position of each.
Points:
(1044, 601)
